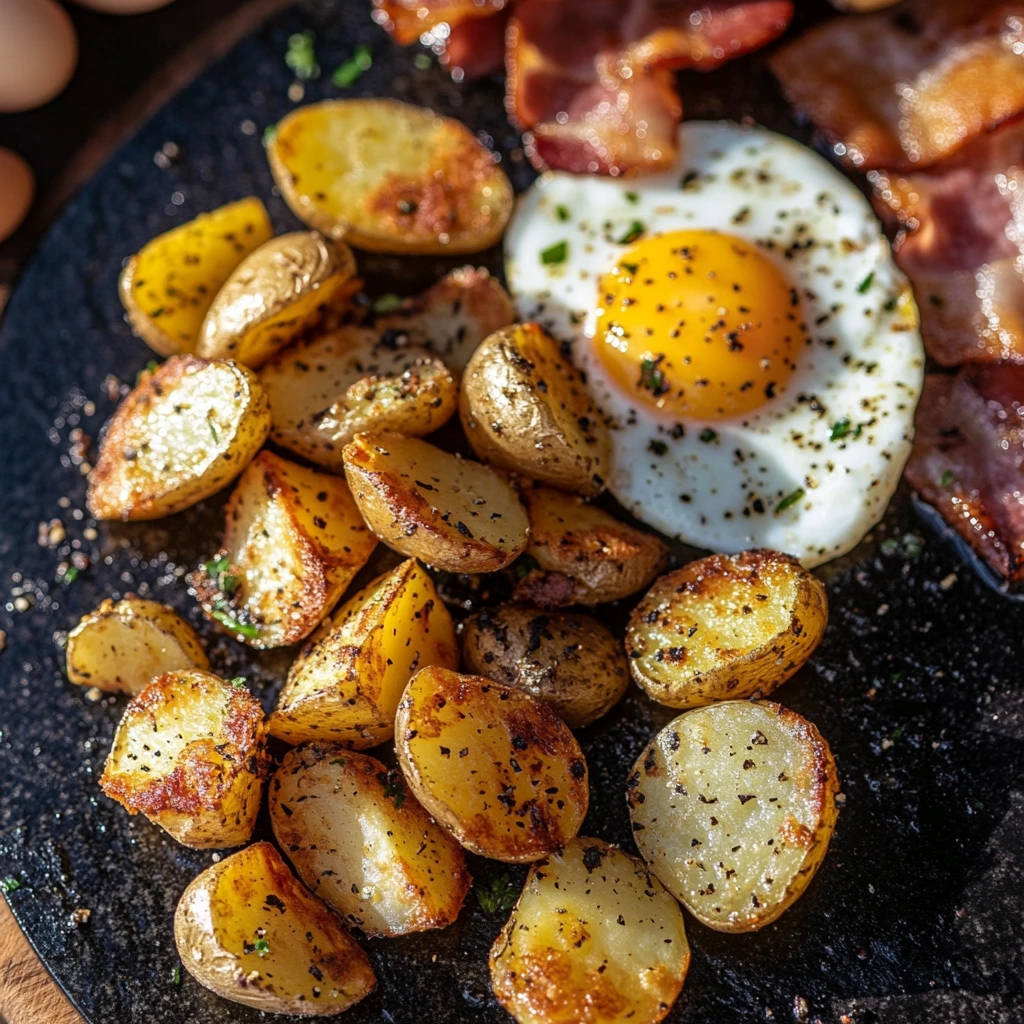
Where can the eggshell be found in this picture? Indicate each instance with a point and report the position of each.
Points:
(38, 53)
(17, 187)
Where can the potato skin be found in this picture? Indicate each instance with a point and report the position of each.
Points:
(725, 627)
(297, 277)
(190, 755)
(121, 647)
(390, 177)
(593, 939)
(771, 778)
(210, 417)
(450, 512)
(248, 930)
(346, 684)
(495, 766)
(167, 287)
(525, 408)
(361, 842)
(569, 661)
(583, 555)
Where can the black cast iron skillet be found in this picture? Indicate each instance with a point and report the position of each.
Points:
(918, 912)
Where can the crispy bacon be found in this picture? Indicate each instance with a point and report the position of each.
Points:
(903, 88)
(962, 246)
(594, 80)
(476, 47)
(406, 20)
(968, 459)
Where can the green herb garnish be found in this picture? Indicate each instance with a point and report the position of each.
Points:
(652, 377)
(392, 787)
(635, 230)
(688, 180)
(498, 895)
(630, 268)
(386, 303)
(238, 682)
(10, 884)
(525, 564)
(301, 55)
(790, 500)
(896, 733)
(246, 629)
(422, 62)
(70, 575)
(213, 432)
(562, 212)
(268, 134)
(866, 283)
(348, 73)
(947, 478)
(656, 447)
(556, 253)
(707, 435)
(632, 197)
(839, 430)
(889, 546)
(151, 367)
(261, 946)
(338, 761)
(176, 974)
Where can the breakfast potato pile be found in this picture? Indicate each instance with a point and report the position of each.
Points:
(269, 338)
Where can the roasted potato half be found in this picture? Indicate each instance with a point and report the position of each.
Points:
(189, 754)
(594, 938)
(494, 765)
(525, 408)
(362, 843)
(579, 554)
(390, 177)
(569, 661)
(450, 512)
(250, 931)
(733, 806)
(121, 647)
(346, 684)
(185, 431)
(168, 285)
(275, 295)
(293, 541)
(327, 389)
(725, 627)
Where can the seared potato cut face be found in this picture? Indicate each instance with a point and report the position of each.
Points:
(326, 390)
(450, 512)
(121, 647)
(360, 841)
(293, 541)
(452, 317)
(250, 931)
(275, 295)
(594, 938)
(733, 806)
(583, 555)
(346, 684)
(524, 408)
(189, 755)
(492, 764)
(168, 285)
(187, 430)
(569, 661)
(725, 627)
(390, 177)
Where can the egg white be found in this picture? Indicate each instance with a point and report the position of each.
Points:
(863, 366)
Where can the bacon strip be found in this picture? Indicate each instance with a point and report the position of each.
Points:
(962, 246)
(968, 459)
(406, 20)
(594, 80)
(905, 87)
(476, 47)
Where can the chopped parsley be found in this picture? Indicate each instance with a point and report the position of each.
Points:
(338, 761)
(652, 377)
(790, 500)
(498, 895)
(386, 303)
(352, 70)
(889, 546)
(269, 133)
(556, 253)
(213, 432)
(630, 268)
(688, 180)
(890, 304)
(896, 733)
(238, 682)
(839, 430)
(632, 197)
(525, 564)
(632, 233)
(151, 367)
(246, 629)
(217, 569)
(70, 575)
(866, 283)
(301, 55)
(947, 478)
(562, 212)
(392, 787)
(656, 447)
(10, 884)
(261, 946)
(176, 974)
(422, 62)
(707, 435)
(910, 544)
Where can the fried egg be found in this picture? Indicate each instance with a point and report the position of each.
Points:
(740, 321)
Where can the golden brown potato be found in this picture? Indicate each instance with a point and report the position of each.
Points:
(275, 295)
(493, 765)
(390, 177)
(594, 939)
(293, 541)
(363, 844)
(733, 806)
(725, 627)
(250, 931)
(569, 661)
(189, 754)
(582, 555)
(187, 430)
(452, 317)
(168, 285)
(450, 512)
(346, 684)
(525, 408)
(325, 390)
(121, 647)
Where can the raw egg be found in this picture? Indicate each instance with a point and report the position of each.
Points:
(17, 186)
(38, 53)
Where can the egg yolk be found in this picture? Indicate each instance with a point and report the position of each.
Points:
(699, 324)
